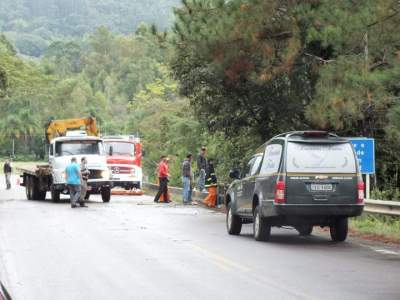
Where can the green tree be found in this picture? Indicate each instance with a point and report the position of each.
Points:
(239, 63)
(355, 46)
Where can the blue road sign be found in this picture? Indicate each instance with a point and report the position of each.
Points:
(365, 150)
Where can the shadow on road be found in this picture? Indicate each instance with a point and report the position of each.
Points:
(63, 201)
(292, 238)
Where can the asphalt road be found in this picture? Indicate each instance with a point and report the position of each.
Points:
(132, 248)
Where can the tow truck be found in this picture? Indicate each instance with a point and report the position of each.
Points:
(69, 138)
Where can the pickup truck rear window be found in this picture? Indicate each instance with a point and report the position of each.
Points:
(320, 158)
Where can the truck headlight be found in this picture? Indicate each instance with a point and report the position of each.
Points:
(105, 174)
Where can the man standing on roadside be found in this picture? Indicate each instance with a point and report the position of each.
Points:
(211, 184)
(7, 173)
(163, 174)
(187, 179)
(85, 177)
(201, 167)
(73, 176)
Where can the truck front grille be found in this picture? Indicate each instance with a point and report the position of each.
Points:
(95, 174)
(121, 170)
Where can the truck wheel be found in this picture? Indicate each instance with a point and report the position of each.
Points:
(261, 226)
(233, 222)
(106, 194)
(28, 188)
(55, 195)
(305, 230)
(42, 195)
(339, 229)
(37, 194)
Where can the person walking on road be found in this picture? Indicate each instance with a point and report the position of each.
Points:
(7, 173)
(73, 177)
(201, 167)
(163, 174)
(211, 185)
(187, 179)
(84, 186)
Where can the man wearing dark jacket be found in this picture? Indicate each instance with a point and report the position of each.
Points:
(211, 184)
(7, 172)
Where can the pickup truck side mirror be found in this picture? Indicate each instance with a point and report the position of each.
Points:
(234, 174)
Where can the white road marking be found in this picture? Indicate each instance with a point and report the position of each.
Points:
(385, 251)
(381, 251)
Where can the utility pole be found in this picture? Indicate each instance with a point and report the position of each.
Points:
(366, 54)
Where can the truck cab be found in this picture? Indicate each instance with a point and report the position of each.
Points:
(124, 159)
(62, 149)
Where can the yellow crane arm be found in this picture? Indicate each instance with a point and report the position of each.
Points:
(60, 127)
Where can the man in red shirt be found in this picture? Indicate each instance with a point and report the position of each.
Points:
(163, 174)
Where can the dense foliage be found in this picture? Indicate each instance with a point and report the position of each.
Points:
(266, 66)
(32, 25)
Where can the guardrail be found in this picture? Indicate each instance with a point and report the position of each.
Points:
(390, 208)
(198, 196)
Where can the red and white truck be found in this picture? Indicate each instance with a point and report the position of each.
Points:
(124, 159)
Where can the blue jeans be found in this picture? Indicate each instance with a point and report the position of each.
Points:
(187, 191)
(202, 180)
(74, 193)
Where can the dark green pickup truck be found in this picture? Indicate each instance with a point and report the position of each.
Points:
(300, 179)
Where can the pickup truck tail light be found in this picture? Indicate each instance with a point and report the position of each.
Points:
(361, 196)
(280, 192)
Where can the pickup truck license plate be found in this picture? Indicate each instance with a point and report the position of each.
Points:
(318, 187)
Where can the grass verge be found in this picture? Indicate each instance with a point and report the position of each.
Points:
(377, 227)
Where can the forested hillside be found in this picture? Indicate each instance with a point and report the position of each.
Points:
(32, 25)
(228, 74)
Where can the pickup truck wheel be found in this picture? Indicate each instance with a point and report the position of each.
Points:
(28, 187)
(339, 229)
(305, 230)
(106, 194)
(233, 222)
(55, 195)
(261, 226)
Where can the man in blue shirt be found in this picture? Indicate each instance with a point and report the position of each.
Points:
(73, 176)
